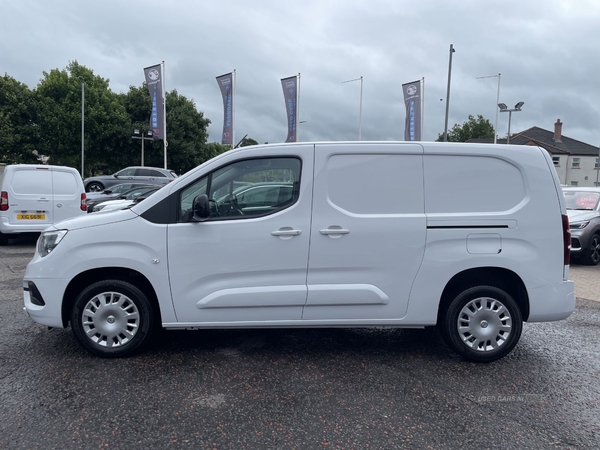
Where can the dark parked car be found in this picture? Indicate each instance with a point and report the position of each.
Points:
(94, 198)
(147, 175)
(583, 208)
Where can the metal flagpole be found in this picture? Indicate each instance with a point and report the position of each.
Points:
(233, 110)
(497, 101)
(82, 125)
(598, 168)
(422, 104)
(298, 109)
(360, 110)
(165, 144)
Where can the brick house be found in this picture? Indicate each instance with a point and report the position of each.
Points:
(576, 162)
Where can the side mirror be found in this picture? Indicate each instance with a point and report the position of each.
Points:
(201, 208)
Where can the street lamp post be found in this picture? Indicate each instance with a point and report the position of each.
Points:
(138, 135)
(360, 105)
(504, 108)
(452, 50)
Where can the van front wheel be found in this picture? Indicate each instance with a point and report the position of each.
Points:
(112, 318)
(482, 324)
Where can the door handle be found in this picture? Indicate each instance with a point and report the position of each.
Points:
(286, 232)
(334, 230)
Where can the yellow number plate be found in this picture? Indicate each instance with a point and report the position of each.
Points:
(31, 216)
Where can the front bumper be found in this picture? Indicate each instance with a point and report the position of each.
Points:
(48, 311)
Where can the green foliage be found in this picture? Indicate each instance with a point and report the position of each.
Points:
(59, 120)
(474, 128)
(48, 120)
(17, 119)
(247, 142)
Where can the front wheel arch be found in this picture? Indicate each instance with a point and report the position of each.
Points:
(85, 279)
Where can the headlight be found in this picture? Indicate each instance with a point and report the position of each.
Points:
(579, 225)
(98, 208)
(49, 240)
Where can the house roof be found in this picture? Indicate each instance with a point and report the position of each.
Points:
(545, 139)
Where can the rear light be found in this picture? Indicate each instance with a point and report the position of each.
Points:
(566, 240)
(83, 205)
(4, 201)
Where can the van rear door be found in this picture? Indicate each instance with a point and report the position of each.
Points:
(66, 189)
(30, 196)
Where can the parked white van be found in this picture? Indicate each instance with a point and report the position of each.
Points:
(33, 197)
(471, 238)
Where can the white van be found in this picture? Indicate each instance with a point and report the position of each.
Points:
(33, 197)
(471, 238)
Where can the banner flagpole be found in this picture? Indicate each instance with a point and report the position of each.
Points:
(233, 110)
(298, 109)
(422, 104)
(165, 144)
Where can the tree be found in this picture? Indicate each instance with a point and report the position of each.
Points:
(247, 142)
(48, 120)
(107, 126)
(17, 122)
(472, 129)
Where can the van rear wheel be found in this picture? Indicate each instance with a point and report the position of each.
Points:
(3, 239)
(112, 318)
(482, 324)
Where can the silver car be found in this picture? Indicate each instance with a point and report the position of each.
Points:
(146, 175)
(583, 209)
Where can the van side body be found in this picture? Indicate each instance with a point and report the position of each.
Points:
(467, 237)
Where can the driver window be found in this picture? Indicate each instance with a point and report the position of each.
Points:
(247, 188)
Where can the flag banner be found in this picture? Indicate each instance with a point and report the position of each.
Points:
(226, 85)
(155, 88)
(290, 95)
(412, 100)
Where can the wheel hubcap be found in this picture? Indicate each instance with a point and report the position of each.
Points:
(484, 324)
(110, 319)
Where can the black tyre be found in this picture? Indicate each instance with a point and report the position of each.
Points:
(3, 239)
(112, 318)
(591, 256)
(482, 324)
(94, 186)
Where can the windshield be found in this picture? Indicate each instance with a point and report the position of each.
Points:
(581, 200)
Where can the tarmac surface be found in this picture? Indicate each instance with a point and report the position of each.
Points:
(587, 281)
(298, 389)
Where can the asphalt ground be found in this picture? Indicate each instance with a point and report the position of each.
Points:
(297, 389)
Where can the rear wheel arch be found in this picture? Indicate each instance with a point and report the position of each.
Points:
(499, 277)
(85, 279)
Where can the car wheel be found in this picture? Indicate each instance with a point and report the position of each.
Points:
(3, 239)
(95, 187)
(112, 318)
(592, 257)
(482, 324)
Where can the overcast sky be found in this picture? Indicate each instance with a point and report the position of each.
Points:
(548, 52)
